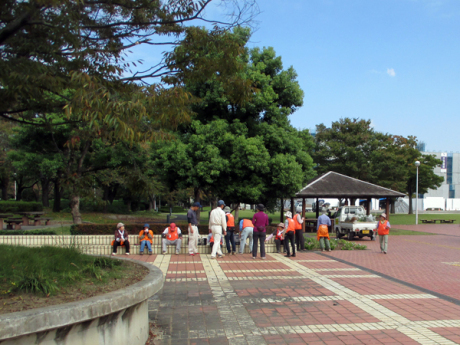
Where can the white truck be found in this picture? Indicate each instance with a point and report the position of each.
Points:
(352, 221)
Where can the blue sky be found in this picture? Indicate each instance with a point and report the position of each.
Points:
(396, 62)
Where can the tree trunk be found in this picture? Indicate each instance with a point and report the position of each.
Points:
(197, 198)
(45, 192)
(282, 210)
(237, 215)
(5, 182)
(75, 209)
(57, 196)
(410, 200)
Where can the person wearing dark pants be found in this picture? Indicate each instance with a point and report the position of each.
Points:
(298, 221)
(289, 225)
(230, 237)
(121, 239)
(260, 221)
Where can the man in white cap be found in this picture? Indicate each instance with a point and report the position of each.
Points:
(217, 226)
(383, 231)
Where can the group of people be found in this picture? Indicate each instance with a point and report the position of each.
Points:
(222, 223)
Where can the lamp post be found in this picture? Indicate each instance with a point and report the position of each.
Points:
(417, 164)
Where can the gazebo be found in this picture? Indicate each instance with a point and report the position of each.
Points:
(335, 185)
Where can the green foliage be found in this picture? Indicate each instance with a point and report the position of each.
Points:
(132, 229)
(46, 270)
(20, 206)
(28, 232)
(175, 209)
(311, 243)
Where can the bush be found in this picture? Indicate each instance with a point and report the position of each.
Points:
(117, 207)
(311, 243)
(133, 229)
(27, 232)
(20, 206)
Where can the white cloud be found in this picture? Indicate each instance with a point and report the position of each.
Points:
(391, 72)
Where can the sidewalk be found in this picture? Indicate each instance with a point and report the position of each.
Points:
(313, 298)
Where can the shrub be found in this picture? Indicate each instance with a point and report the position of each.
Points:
(133, 229)
(20, 206)
(311, 243)
(86, 205)
(27, 232)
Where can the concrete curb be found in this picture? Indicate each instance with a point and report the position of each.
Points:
(47, 318)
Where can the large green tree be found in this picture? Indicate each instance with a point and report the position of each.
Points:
(352, 147)
(242, 150)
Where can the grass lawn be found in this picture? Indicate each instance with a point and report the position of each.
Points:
(37, 277)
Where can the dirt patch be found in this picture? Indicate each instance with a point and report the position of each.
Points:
(14, 302)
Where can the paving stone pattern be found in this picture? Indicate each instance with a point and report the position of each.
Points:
(309, 299)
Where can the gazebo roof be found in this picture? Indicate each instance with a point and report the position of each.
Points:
(335, 185)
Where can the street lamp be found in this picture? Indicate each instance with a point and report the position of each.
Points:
(417, 164)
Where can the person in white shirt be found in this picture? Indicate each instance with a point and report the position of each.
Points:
(172, 236)
(217, 226)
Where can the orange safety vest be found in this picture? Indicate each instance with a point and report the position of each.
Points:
(172, 235)
(247, 223)
(279, 235)
(145, 236)
(323, 231)
(231, 220)
(382, 229)
(291, 225)
(297, 225)
(212, 240)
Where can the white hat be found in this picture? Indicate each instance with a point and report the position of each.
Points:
(119, 225)
(384, 215)
(288, 214)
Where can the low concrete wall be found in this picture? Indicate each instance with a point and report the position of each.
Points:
(119, 317)
(100, 244)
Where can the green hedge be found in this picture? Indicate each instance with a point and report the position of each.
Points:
(157, 228)
(109, 229)
(27, 232)
(20, 206)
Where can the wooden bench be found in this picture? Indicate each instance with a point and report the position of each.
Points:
(451, 221)
(37, 221)
(431, 221)
(13, 223)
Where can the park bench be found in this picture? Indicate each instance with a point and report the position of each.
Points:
(431, 221)
(13, 223)
(450, 221)
(37, 221)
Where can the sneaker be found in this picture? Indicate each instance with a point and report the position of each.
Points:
(221, 256)
(164, 253)
(264, 258)
(293, 256)
(113, 254)
(192, 254)
(287, 256)
(322, 250)
(127, 254)
(254, 257)
(177, 253)
(213, 257)
(328, 250)
(150, 253)
(233, 253)
(384, 252)
(141, 253)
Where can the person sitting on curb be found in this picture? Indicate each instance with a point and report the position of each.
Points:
(211, 240)
(146, 238)
(246, 230)
(279, 237)
(322, 231)
(172, 236)
(121, 239)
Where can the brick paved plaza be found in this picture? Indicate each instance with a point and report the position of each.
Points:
(409, 296)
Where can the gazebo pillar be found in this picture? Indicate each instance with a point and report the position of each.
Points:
(303, 214)
(387, 208)
(368, 211)
(317, 208)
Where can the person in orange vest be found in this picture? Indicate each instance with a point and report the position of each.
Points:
(211, 240)
(289, 225)
(246, 231)
(230, 237)
(383, 231)
(146, 238)
(278, 234)
(299, 239)
(121, 239)
(172, 236)
(322, 230)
